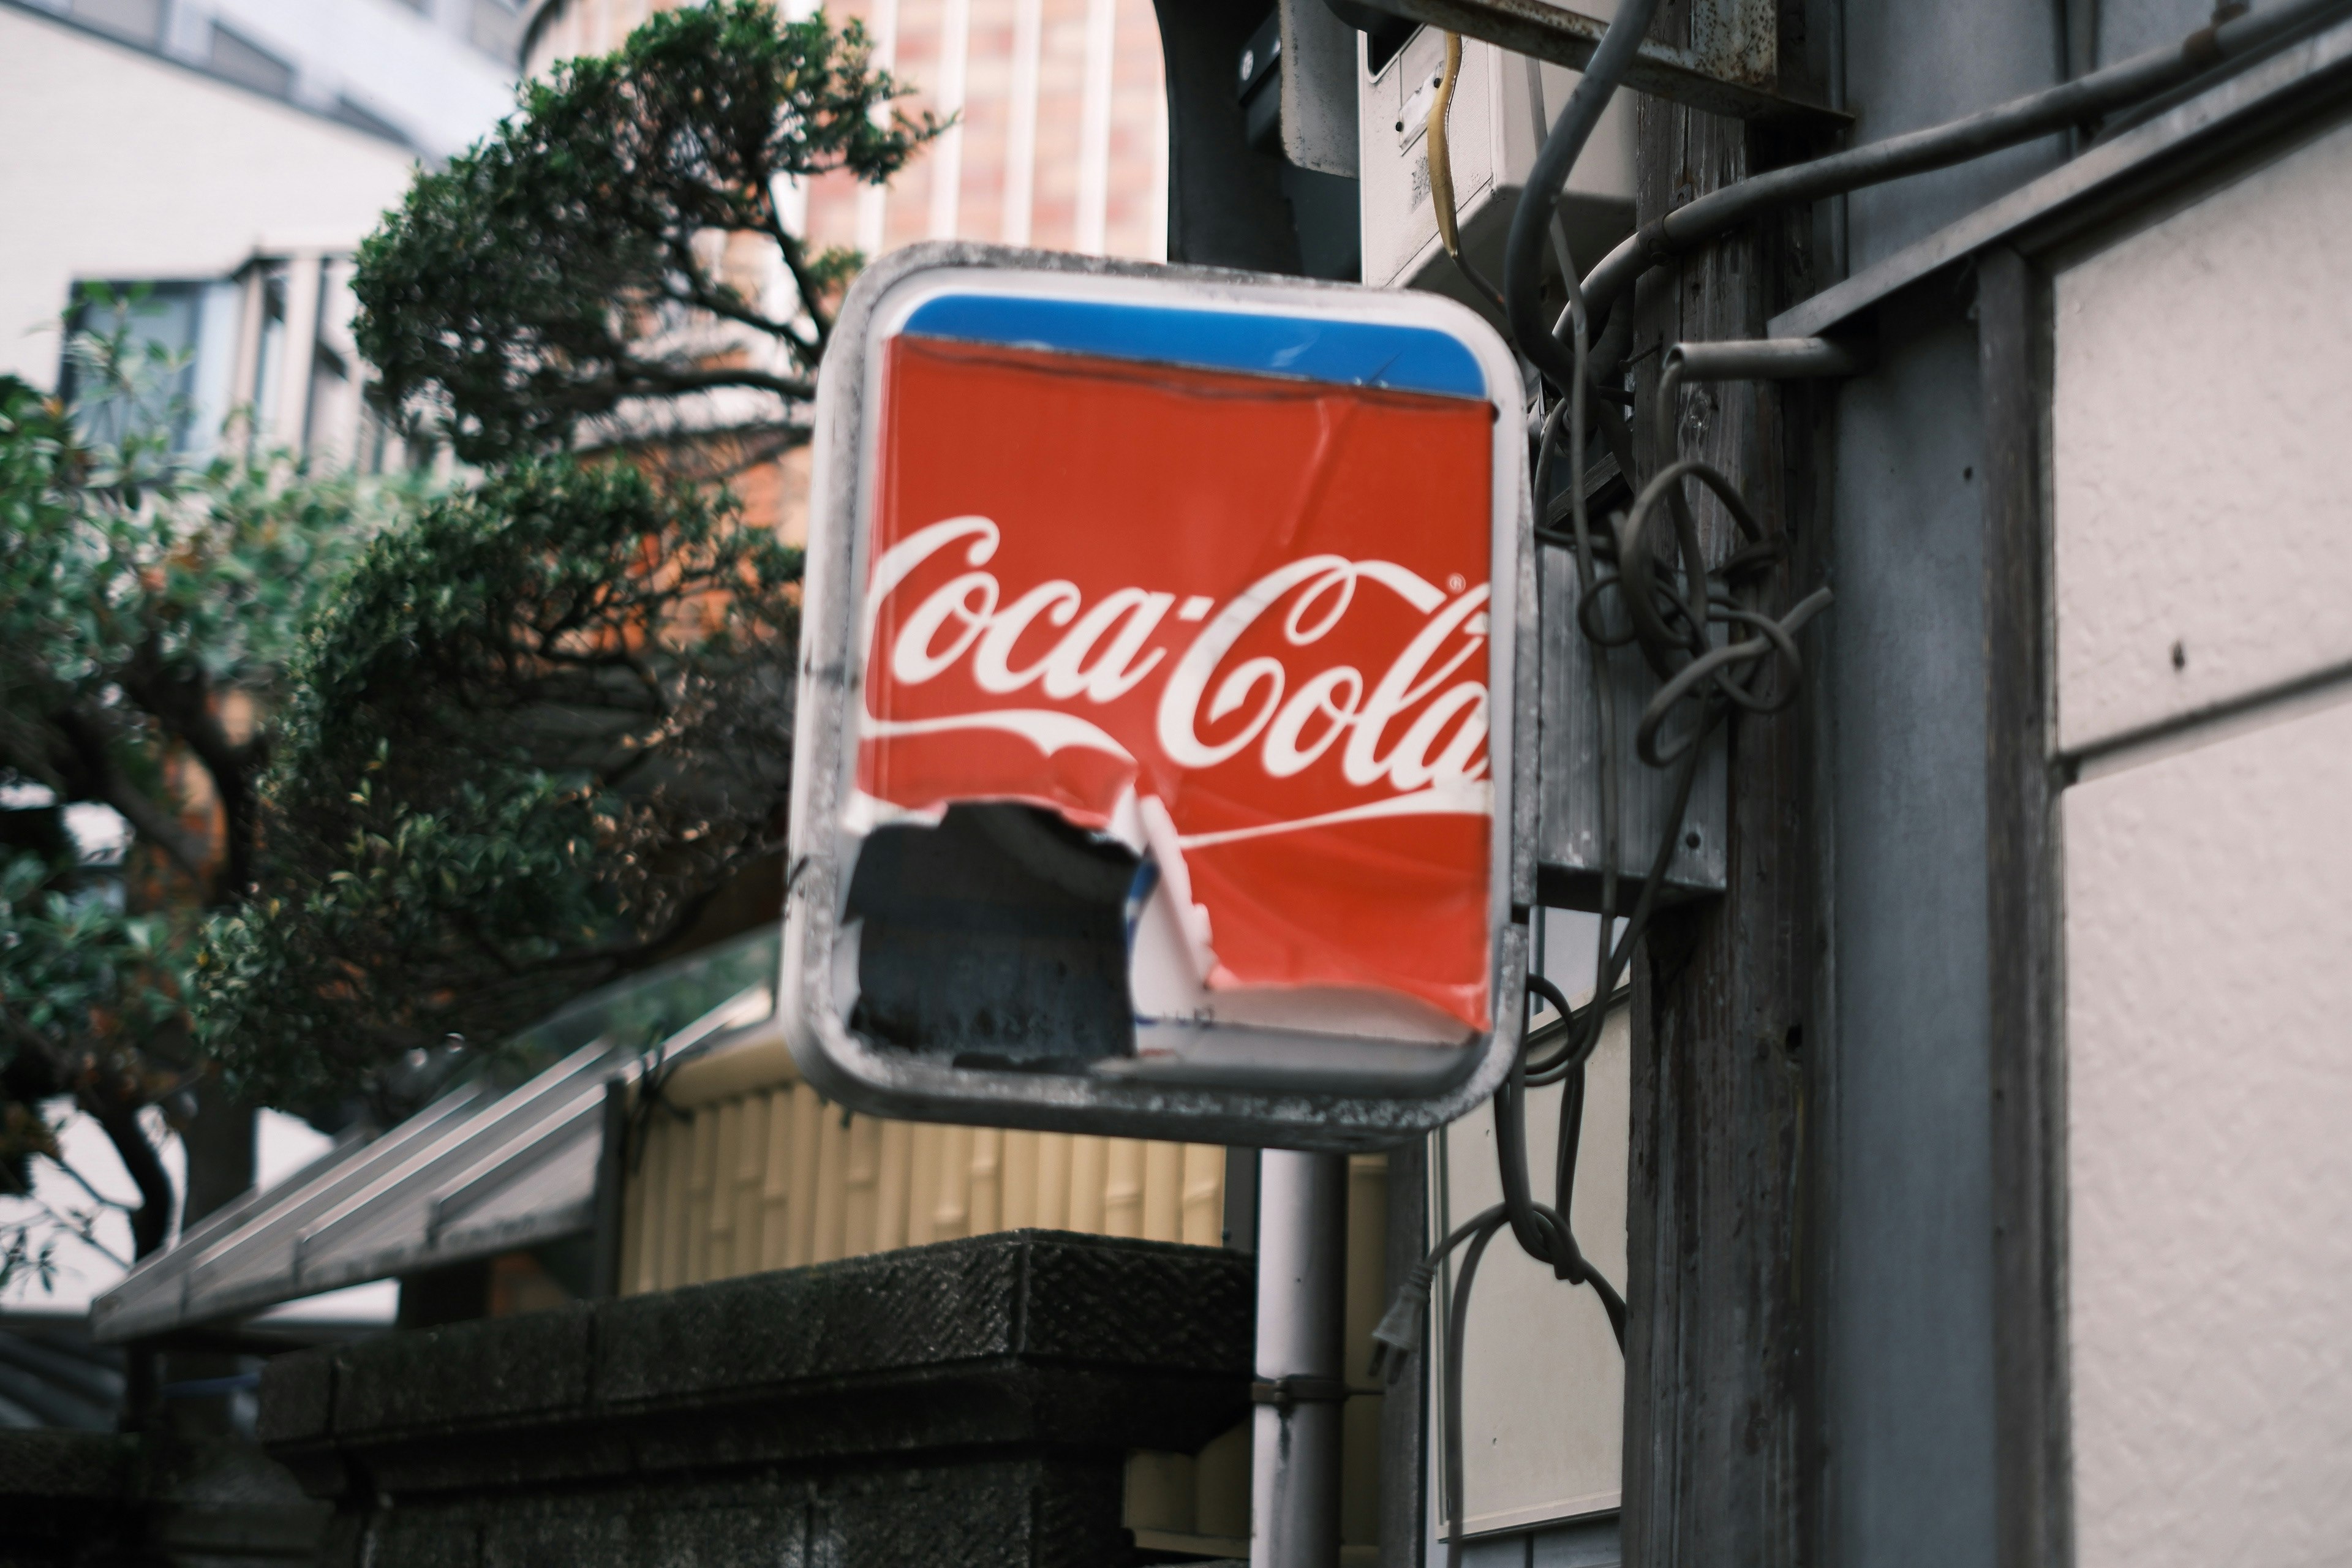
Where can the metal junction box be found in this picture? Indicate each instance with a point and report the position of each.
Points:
(1569, 845)
(1503, 105)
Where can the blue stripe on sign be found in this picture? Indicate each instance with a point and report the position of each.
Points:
(1319, 347)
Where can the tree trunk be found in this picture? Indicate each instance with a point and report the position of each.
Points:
(151, 1222)
(220, 1146)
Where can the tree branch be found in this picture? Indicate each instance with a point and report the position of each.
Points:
(151, 1222)
(104, 782)
(80, 1229)
(803, 281)
(82, 1182)
(180, 698)
(657, 378)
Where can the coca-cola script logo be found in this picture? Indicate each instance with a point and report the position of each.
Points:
(1240, 621)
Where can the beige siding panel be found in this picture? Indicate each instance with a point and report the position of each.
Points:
(808, 1158)
(1204, 1194)
(1053, 1211)
(1163, 1192)
(718, 1222)
(861, 1188)
(952, 1182)
(669, 1265)
(923, 1184)
(832, 1183)
(1123, 1188)
(701, 1186)
(987, 1211)
(1089, 1168)
(775, 1183)
(893, 1185)
(639, 1206)
(764, 1173)
(1020, 1181)
(750, 1163)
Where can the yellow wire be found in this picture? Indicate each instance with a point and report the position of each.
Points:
(1441, 157)
(1440, 177)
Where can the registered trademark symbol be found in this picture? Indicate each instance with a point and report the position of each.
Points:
(1456, 583)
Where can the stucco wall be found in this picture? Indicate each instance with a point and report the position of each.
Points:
(2203, 375)
(2210, 1090)
(123, 167)
(2204, 381)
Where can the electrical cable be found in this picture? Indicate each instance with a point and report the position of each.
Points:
(1437, 153)
(2035, 114)
(1543, 1231)
(1523, 250)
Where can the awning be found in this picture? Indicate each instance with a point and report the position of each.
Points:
(474, 1173)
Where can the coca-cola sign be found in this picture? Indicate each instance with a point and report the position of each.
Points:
(1092, 580)
(1219, 586)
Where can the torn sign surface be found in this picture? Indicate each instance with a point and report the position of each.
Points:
(1239, 621)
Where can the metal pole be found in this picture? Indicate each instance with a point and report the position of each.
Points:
(1302, 1269)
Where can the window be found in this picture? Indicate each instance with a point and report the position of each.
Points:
(361, 117)
(496, 30)
(139, 20)
(247, 63)
(184, 334)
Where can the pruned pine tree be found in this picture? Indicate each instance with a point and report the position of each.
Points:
(541, 727)
(545, 725)
(614, 263)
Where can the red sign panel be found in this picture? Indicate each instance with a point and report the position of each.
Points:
(1239, 621)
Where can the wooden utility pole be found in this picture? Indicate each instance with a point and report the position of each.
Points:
(1717, 1463)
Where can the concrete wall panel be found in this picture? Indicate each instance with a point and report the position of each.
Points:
(2208, 999)
(2203, 381)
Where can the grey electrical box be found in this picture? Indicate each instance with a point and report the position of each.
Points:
(1570, 848)
(1503, 106)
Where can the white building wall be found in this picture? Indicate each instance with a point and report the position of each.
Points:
(2209, 1085)
(385, 56)
(2204, 373)
(435, 73)
(2203, 387)
(125, 166)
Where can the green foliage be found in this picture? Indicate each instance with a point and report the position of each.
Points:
(533, 730)
(147, 612)
(464, 761)
(556, 269)
(135, 596)
(82, 976)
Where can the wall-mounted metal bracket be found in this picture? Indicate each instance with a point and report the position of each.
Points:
(1733, 68)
